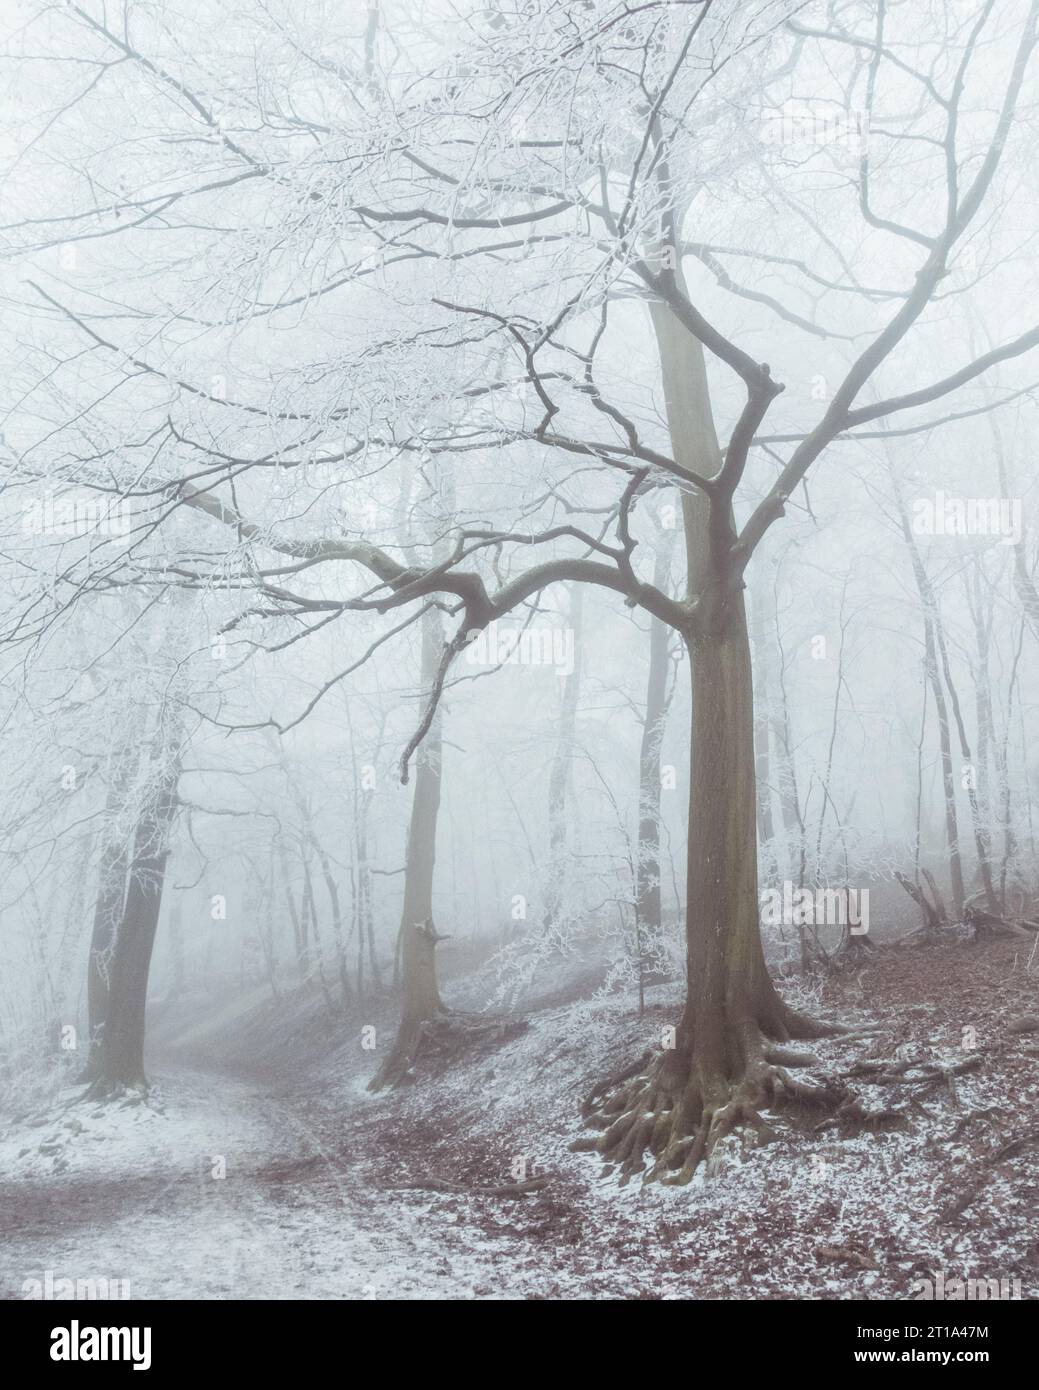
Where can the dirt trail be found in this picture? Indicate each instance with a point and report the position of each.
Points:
(323, 1192)
(287, 1220)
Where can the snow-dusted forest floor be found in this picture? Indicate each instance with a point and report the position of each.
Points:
(323, 1197)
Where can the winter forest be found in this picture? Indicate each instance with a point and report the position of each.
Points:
(519, 636)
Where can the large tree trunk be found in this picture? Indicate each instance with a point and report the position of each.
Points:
(724, 1064)
(731, 999)
(420, 1002)
(679, 1102)
(122, 1042)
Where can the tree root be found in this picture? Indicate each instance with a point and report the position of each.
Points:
(888, 1072)
(102, 1090)
(509, 1189)
(664, 1116)
(852, 951)
(438, 1040)
(988, 924)
(679, 1119)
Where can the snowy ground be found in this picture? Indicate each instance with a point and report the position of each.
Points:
(322, 1197)
(136, 1193)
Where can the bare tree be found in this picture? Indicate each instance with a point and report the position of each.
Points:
(613, 194)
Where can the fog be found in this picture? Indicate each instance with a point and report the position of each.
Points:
(518, 556)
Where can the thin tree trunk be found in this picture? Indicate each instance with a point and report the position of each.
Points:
(332, 888)
(420, 1000)
(176, 938)
(794, 829)
(111, 894)
(1024, 581)
(761, 661)
(267, 933)
(980, 842)
(310, 913)
(649, 919)
(1009, 836)
(122, 1043)
(952, 833)
(295, 917)
(560, 774)
(981, 611)
(363, 900)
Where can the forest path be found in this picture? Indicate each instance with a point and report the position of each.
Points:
(138, 1196)
(323, 1194)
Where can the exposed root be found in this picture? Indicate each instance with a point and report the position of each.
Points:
(852, 1114)
(787, 1057)
(609, 1082)
(677, 1113)
(101, 1089)
(884, 1071)
(509, 1189)
(438, 1041)
(988, 924)
(852, 951)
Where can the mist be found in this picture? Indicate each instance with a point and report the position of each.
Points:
(519, 636)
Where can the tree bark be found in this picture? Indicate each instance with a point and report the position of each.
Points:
(560, 774)
(122, 1042)
(980, 841)
(762, 760)
(794, 830)
(648, 899)
(927, 601)
(1024, 580)
(418, 937)
(952, 833)
(332, 888)
(722, 1068)
(298, 921)
(108, 908)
